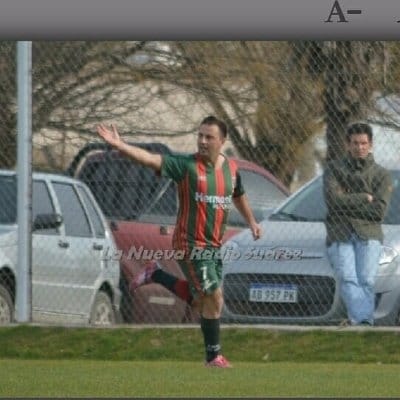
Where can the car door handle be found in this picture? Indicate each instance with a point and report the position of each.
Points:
(97, 246)
(62, 244)
(164, 230)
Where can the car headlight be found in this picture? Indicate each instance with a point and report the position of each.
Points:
(388, 255)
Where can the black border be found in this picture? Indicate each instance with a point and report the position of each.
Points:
(199, 19)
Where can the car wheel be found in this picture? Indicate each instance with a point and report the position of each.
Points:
(6, 306)
(102, 311)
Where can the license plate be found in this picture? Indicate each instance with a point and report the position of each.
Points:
(273, 293)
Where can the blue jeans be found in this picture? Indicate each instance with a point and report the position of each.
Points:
(355, 263)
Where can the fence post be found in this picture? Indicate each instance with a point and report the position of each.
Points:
(24, 181)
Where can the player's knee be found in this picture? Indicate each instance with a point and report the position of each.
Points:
(219, 300)
(212, 304)
(197, 304)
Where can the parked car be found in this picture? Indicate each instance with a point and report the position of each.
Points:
(142, 207)
(71, 281)
(285, 277)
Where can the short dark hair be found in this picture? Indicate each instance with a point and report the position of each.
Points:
(359, 128)
(211, 120)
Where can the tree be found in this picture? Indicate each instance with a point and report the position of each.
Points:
(350, 73)
(64, 76)
(274, 96)
(7, 104)
(271, 109)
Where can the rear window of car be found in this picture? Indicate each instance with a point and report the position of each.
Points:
(8, 199)
(122, 188)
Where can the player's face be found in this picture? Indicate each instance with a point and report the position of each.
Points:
(209, 142)
(359, 145)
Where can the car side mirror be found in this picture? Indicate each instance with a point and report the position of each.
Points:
(47, 221)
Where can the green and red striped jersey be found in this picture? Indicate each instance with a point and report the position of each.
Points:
(205, 198)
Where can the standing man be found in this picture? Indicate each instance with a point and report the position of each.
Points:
(357, 192)
(208, 183)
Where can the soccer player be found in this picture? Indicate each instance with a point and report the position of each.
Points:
(208, 184)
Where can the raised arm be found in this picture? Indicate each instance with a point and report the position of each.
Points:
(243, 206)
(137, 154)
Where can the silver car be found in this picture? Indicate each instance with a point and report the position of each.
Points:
(285, 277)
(71, 280)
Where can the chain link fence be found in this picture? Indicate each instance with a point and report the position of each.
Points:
(287, 106)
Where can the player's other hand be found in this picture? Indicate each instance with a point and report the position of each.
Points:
(111, 136)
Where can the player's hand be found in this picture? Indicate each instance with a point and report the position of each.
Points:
(256, 231)
(111, 136)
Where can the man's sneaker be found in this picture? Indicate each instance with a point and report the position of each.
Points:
(344, 323)
(144, 277)
(366, 322)
(219, 362)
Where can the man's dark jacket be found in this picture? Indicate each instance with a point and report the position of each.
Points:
(347, 183)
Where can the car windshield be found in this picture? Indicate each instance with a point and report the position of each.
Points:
(309, 204)
(8, 199)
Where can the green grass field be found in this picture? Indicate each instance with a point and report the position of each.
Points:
(156, 362)
(55, 378)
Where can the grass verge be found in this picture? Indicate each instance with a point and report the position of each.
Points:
(185, 344)
(167, 362)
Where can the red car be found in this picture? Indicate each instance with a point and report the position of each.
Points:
(141, 208)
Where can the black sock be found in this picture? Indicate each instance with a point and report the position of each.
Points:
(179, 287)
(210, 329)
(165, 279)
